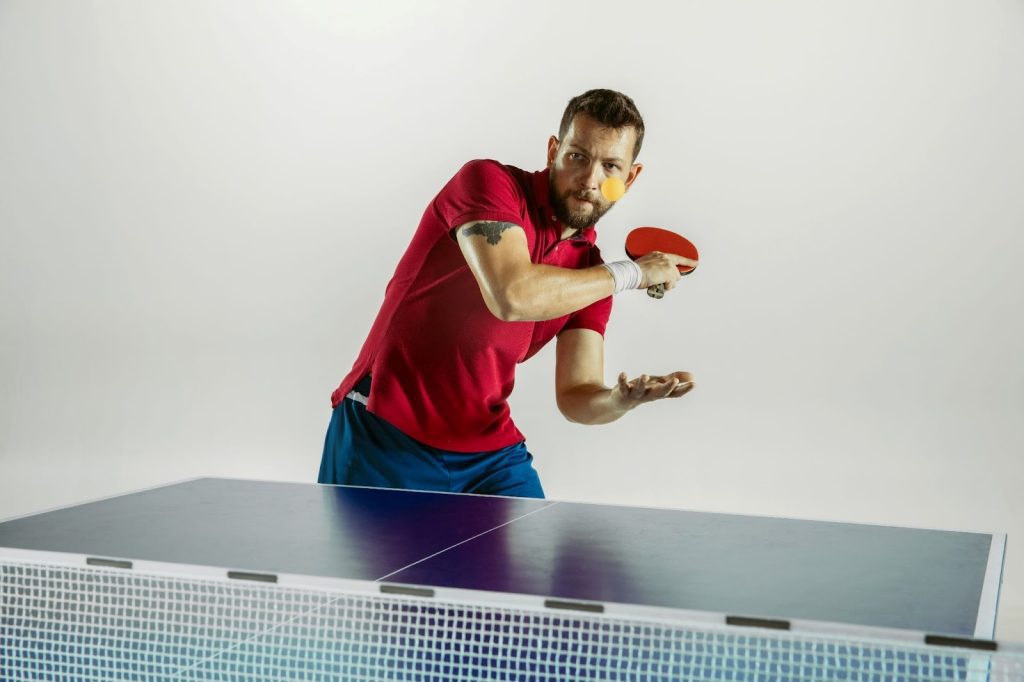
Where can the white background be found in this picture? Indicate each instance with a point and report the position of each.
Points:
(201, 204)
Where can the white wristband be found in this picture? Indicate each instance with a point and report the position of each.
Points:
(626, 274)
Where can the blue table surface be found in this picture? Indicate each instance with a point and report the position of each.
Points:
(925, 580)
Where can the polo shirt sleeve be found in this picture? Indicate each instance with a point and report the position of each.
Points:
(594, 316)
(482, 190)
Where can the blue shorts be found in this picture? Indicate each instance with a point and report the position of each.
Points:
(363, 449)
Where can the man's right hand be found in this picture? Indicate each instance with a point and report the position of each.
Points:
(661, 268)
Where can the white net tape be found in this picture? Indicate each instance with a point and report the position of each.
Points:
(69, 623)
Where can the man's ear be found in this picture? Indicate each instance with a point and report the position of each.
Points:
(634, 171)
(552, 150)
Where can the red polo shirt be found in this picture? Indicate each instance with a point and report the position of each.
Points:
(443, 365)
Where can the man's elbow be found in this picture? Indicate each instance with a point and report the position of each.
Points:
(571, 408)
(508, 305)
(574, 418)
(502, 309)
(569, 415)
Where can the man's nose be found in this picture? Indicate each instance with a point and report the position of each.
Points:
(591, 177)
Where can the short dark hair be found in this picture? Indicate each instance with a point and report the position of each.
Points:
(607, 107)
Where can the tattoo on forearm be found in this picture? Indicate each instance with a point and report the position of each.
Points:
(491, 230)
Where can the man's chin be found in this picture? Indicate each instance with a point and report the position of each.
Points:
(576, 218)
(586, 218)
(583, 220)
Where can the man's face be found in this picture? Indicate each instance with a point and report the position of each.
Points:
(579, 163)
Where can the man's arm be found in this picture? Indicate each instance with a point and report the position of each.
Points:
(579, 382)
(513, 287)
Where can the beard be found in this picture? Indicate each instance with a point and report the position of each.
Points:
(577, 220)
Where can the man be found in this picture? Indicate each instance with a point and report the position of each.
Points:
(502, 262)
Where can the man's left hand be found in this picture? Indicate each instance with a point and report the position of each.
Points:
(644, 389)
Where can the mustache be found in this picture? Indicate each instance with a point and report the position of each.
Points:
(583, 196)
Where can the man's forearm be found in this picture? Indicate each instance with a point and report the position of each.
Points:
(591, 405)
(544, 292)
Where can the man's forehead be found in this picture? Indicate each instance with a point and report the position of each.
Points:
(589, 135)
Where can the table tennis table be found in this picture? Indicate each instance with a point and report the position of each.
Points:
(251, 580)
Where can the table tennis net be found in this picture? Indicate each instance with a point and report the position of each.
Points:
(72, 623)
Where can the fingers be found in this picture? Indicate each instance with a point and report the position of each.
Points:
(639, 388)
(680, 260)
(663, 388)
(682, 389)
(648, 388)
(684, 384)
(631, 391)
(660, 268)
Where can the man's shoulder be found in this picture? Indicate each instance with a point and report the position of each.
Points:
(492, 166)
(491, 175)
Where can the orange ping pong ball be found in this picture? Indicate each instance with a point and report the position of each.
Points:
(613, 188)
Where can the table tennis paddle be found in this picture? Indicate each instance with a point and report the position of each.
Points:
(643, 240)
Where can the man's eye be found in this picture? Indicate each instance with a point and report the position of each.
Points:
(574, 156)
(611, 166)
